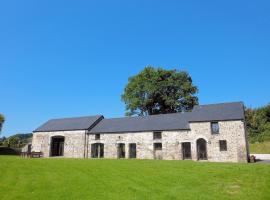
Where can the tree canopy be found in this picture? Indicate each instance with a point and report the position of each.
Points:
(16, 141)
(2, 120)
(258, 123)
(159, 91)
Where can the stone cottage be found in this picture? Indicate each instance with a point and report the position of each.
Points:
(213, 132)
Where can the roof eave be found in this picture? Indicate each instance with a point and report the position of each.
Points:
(103, 132)
(238, 119)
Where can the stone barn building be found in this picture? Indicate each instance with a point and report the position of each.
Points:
(209, 132)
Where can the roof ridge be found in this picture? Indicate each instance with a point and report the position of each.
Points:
(224, 103)
(162, 114)
(78, 123)
(148, 116)
(76, 117)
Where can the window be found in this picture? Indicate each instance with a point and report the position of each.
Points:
(97, 137)
(157, 146)
(215, 127)
(223, 145)
(157, 135)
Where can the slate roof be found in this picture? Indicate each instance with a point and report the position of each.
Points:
(217, 112)
(176, 121)
(136, 124)
(67, 124)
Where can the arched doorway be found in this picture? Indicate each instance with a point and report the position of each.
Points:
(201, 149)
(57, 146)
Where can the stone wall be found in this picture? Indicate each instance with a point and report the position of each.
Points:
(231, 131)
(74, 144)
(78, 145)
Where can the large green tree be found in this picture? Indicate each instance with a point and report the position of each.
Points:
(2, 120)
(159, 91)
(258, 123)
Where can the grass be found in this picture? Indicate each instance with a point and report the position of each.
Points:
(263, 147)
(130, 179)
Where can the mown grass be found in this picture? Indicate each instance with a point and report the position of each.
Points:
(130, 179)
(260, 148)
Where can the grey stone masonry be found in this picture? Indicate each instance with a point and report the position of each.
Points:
(231, 131)
(74, 144)
(77, 144)
(214, 132)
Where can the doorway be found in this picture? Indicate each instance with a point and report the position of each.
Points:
(132, 150)
(201, 149)
(57, 146)
(158, 151)
(97, 150)
(121, 153)
(186, 150)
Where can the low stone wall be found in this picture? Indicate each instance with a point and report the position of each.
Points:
(9, 151)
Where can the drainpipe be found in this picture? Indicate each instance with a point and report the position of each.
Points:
(246, 136)
(87, 144)
(84, 144)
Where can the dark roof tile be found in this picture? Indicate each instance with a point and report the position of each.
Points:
(175, 121)
(66, 124)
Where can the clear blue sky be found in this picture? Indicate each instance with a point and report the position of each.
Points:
(73, 58)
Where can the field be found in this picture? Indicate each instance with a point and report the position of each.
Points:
(130, 179)
(263, 147)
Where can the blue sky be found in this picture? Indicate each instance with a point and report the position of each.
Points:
(73, 58)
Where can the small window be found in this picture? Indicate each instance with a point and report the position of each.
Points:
(223, 145)
(157, 146)
(215, 128)
(97, 137)
(157, 135)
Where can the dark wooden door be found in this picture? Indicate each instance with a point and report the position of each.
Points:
(132, 150)
(186, 150)
(121, 151)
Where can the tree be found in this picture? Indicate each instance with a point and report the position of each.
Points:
(159, 91)
(14, 141)
(2, 120)
(258, 123)
(17, 141)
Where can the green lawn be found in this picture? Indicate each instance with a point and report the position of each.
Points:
(130, 179)
(263, 147)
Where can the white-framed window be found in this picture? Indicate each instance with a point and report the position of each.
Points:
(214, 127)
